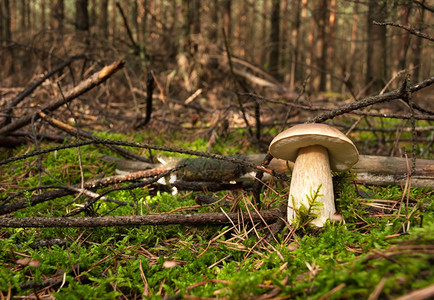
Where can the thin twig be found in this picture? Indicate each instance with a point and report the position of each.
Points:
(234, 83)
(396, 94)
(410, 30)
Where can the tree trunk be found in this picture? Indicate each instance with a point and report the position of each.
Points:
(92, 14)
(42, 17)
(134, 12)
(81, 15)
(6, 20)
(144, 21)
(331, 57)
(376, 65)
(227, 19)
(403, 37)
(103, 18)
(323, 40)
(310, 45)
(263, 36)
(213, 27)
(275, 38)
(113, 22)
(417, 45)
(295, 45)
(2, 21)
(57, 15)
(22, 15)
(353, 63)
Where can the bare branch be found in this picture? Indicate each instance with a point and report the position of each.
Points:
(84, 86)
(410, 30)
(368, 101)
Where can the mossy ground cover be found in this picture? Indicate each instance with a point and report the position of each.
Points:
(383, 247)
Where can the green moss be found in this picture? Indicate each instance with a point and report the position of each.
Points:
(213, 261)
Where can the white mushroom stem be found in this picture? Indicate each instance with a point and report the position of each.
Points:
(312, 170)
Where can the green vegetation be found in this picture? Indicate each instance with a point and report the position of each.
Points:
(383, 242)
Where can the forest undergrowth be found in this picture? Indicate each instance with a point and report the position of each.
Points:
(380, 247)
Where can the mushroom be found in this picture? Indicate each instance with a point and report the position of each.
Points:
(316, 149)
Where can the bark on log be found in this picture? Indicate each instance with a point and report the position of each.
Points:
(267, 216)
(371, 170)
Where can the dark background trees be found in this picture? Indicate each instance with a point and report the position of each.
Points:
(334, 43)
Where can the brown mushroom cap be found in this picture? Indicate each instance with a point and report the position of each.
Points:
(343, 153)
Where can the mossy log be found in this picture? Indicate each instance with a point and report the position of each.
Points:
(371, 170)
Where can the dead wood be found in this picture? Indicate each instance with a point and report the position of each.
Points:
(29, 90)
(81, 133)
(411, 30)
(84, 86)
(267, 216)
(401, 93)
(93, 184)
(372, 170)
(427, 115)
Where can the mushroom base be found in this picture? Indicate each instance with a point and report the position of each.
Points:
(312, 170)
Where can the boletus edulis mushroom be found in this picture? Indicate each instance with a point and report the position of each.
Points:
(316, 150)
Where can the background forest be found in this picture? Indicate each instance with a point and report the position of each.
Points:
(335, 43)
(175, 79)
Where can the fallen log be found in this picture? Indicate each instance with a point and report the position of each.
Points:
(370, 170)
(84, 86)
(265, 216)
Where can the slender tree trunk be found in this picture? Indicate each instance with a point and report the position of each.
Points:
(274, 38)
(144, 20)
(134, 11)
(376, 71)
(92, 13)
(404, 37)
(22, 15)
(417, 45)
(2, 21)
(295, 44)
(332, 43)
(6, 20)
(353, 47)
(264, 32)
(113, 23)
(323, 40)
(81, 15)
(227, 19)
(251, 31)
(310, 47)
(243, 28)
(42, 18)
(185, 41)
(103, 18)
(284, 39)
(57, 15)
(213, 27)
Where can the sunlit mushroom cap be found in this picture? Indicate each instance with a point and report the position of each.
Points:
(343, 153)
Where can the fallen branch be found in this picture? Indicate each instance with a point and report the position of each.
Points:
(84, 86)
(368, 101)
(410, 30)
(29, 90)
(93, 184)
(267, 216)
(370, 169)
(73, 131)
(426, 116)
